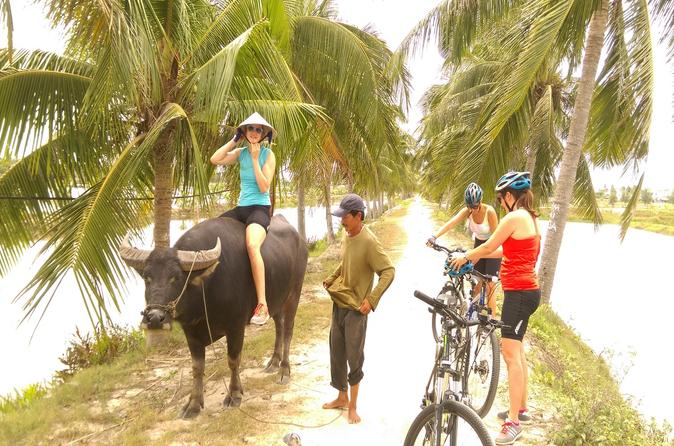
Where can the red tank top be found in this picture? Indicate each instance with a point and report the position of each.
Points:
(518, 268)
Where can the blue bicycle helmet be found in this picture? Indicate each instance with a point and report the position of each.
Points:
(465, 269)
(473, 195)
(515, 181)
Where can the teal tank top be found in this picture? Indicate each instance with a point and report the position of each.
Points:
(250, 192)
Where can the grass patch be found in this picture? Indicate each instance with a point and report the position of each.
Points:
(657, 218)
(588, 402)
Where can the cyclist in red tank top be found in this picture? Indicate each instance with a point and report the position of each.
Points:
(517, 240)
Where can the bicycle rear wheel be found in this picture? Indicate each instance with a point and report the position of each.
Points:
(459, 426)
(483, 369)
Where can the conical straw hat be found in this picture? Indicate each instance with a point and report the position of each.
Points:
(257, 119)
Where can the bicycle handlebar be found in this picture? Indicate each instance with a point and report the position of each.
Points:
(449, 252)
(446, 250)
(462, 321)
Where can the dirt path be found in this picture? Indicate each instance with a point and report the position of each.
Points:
(398, 354)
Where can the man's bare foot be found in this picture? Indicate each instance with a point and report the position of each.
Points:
(353, 416)
(339, 403)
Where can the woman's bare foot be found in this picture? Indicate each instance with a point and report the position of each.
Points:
(339, 403)
(353, 416)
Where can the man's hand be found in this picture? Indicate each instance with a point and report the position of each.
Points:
(326, 284)
(254, 149)
(365, 307)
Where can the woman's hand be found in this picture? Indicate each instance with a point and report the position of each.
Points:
(431, 241)
(458, 260)
(254, 149)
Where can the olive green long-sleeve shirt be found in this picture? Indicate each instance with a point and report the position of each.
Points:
(362, 257)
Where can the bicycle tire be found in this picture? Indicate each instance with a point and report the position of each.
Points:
(481, 381)
(455, 413)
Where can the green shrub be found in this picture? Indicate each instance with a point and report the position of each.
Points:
(101, 347)
(22, 398)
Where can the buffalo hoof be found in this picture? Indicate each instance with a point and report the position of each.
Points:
(284, 377)
(190, 410)
(231, 402)
(272, 367)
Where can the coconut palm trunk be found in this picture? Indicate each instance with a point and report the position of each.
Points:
(327, 193)
(572, 153)
(163, 195)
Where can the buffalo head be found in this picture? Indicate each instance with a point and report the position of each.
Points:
(167, 273)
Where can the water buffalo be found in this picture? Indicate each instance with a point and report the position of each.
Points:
(178, 279)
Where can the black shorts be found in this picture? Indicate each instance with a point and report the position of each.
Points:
(518, 306)
(251, 214)
(487, 266)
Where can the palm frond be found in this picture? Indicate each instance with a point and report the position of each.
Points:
(39, 184)
(623, 101)
(232, 21)
(663, 11)
(584, 197)
(37, 105)
(83, 239)
(630, 207)
(455, 25)
(209, 85)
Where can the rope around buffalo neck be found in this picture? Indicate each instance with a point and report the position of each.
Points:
(215, 355)
(170, 308)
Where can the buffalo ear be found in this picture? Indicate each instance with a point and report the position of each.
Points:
(199, 277)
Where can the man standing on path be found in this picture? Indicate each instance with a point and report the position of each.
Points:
(350, 288)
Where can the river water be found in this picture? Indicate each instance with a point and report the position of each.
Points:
(614, 295)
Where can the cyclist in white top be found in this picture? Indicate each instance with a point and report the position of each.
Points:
(482, 221)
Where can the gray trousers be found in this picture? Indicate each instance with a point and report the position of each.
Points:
(347, 344)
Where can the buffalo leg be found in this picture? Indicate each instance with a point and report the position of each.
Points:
(289, 311)
(273, 364)
(234, 347)
(196, 401)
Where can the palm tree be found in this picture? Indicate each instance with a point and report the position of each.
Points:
(365, 128)
(128, 115)
(549, 35)
(534, 133)
(351, 74)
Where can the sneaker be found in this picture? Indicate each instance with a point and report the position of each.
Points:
(510, 432)
(523, 416)
(260, 315)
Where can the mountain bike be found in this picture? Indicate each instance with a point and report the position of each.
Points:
(444, 418)
(476, 348)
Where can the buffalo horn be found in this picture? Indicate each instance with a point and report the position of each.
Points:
(133, 257)
(197, 260)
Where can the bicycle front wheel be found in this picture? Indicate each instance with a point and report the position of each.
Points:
(483, 369)
(458, 426)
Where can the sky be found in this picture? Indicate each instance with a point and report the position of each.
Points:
(393, 19)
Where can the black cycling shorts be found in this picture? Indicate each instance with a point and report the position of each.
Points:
(518, 306)
(251, 214)
(487, 266)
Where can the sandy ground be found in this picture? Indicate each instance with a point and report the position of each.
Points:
(399, 351)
